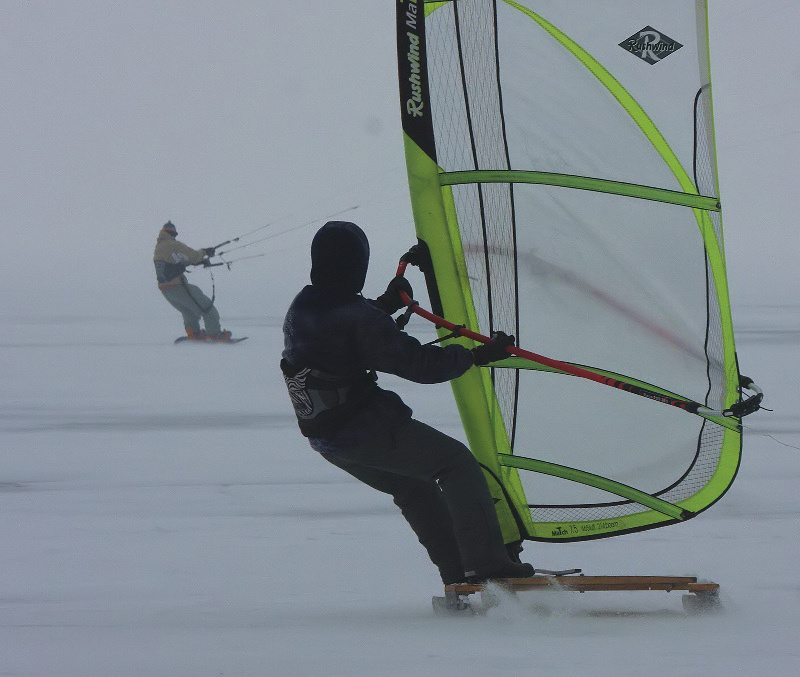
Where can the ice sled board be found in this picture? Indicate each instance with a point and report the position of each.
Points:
(700, 596)
(186, 339)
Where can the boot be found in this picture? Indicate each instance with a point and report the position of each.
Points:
(451, 578)
(506, 569)
(223, 336)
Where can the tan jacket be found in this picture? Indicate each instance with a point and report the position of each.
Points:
(171, 257)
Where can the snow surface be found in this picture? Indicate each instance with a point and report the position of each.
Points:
(160, 516)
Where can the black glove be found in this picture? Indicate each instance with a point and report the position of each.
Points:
(413, 256)
(209, 251)
(494, 350)
(390, 300)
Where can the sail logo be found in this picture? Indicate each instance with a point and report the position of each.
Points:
(650, 45)
(414, 103)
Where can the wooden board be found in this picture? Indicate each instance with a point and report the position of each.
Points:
(588, 583)
(701, 597)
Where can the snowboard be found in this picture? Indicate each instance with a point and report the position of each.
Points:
(701, 597)
(182, 339)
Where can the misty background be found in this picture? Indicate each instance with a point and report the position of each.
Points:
(229, 117)
(160, 513)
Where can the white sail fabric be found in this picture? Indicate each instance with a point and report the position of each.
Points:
(574, 153)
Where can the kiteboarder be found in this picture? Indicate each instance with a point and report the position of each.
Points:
(171, 257)
(335, 341)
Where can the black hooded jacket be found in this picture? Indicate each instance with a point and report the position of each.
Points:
(330, 327)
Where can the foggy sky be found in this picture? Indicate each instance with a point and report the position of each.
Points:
(226, 117)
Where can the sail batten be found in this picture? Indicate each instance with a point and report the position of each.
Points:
(563, 179)
(583, 183)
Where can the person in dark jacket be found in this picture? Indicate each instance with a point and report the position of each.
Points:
(335, 341)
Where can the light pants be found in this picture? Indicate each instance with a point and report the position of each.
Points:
(193, 304)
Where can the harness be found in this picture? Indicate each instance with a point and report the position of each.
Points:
(324, 402)
(166, 271)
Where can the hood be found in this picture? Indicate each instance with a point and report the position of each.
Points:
(339, 259)
(167, 231)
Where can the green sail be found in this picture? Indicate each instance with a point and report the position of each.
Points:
(563, 178)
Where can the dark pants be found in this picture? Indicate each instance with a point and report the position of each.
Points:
(440, 489)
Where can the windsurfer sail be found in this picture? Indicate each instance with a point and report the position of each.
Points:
(563, 181)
